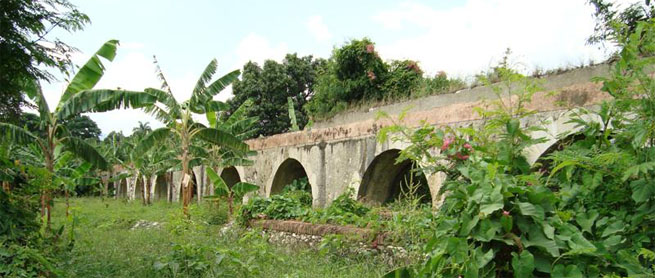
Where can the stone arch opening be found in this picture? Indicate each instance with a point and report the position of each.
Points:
(385, 180)
(161, 187)
(138, 188)
(230, 176)
(289, 171)
(544, 163)
(122, 192)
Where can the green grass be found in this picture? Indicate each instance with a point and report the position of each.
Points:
(105, 246)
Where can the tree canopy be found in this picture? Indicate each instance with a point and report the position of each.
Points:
(25, 49)
(270, 86)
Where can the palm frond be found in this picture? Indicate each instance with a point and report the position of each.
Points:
(34, 92)
(223, 139)
(89, 75)
(220, 187)
(215, 88)
(154, 138)
(17, 134)
(160, 75)
(103, 100)
(205, 77)
(85, 151)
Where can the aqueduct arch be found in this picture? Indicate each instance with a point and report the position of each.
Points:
(340, 153)
(384, 179)
(230, 176)
(290, 170)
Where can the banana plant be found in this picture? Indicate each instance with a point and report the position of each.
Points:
(155, 162)
(69, 174)
(179, 124)
(238, 124)
(78, 97)
(221, 189)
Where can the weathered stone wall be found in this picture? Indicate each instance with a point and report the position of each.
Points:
(336, 154)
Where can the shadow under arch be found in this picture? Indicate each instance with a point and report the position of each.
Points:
(230, 176)
(385, 180)
(544, 163)
(290, 170)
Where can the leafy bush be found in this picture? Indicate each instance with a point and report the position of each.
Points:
(590, 217)
(355, 75)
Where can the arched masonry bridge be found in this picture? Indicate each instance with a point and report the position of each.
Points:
(344, 152)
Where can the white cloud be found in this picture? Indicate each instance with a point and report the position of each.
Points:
(257, 48)
(467, 39)
(318, 28)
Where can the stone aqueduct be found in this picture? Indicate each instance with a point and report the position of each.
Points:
(344, 152)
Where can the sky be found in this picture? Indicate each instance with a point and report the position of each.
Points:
(460, 37)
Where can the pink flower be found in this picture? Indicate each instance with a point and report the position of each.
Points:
(371, 75)
(505, 213)
(446, 143)
(370, 48)
(468, 146)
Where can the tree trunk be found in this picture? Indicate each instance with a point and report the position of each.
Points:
(67, 204)
(229, 206)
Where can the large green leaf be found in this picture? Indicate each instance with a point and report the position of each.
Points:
(493, 202)
(569, 271)
(103, 100)
(523, 264)
(85, 151)
(200, 97)
(17, 134)
(89, 75)
(206, 75)
(220, 187)
(154, 138)
(241, 188)
(223, 139)
(34, 92)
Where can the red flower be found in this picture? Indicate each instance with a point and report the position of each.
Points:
(370, 48)
(461, 156)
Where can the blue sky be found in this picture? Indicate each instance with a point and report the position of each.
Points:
(460, 37)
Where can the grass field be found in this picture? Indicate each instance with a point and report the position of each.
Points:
(107, 246)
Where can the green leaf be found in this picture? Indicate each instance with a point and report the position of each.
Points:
(153, 138)
(586, 220)
(85, 151)
(642, 190)
(642, 168)
(220, 187)
(523, 264)
(17, 134)
(292, 115)
(569, 271)
(223, 139)
(101, 101)
(241, 188)
(507, 222)
(538, 238)
(87, 76)
(613, 228)
(529, 209)
(468, 223)
(399, 273)
(493, 202)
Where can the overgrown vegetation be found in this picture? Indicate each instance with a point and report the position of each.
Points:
(587, 215)
(178, 247)
(355, 74)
